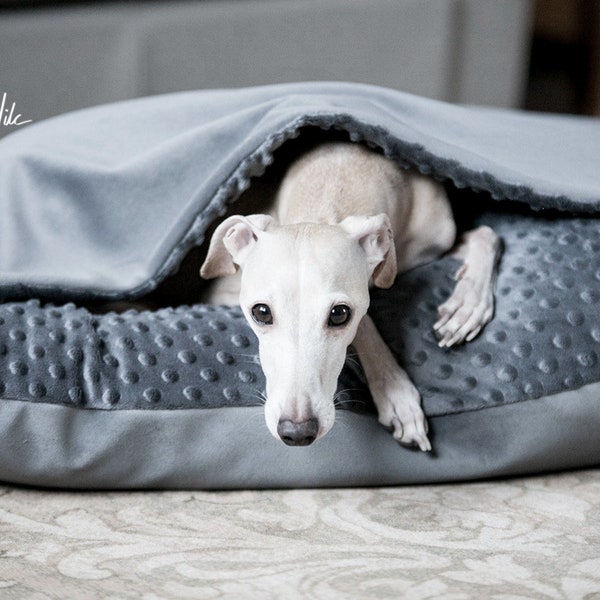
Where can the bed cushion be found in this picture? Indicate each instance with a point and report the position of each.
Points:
(104, 204)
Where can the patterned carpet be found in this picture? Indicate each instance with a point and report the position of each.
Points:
(524, 538)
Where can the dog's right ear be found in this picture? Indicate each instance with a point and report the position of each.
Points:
(231, 242)
(374, 234)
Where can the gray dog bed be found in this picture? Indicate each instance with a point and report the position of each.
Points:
(105, 204)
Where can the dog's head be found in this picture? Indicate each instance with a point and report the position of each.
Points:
(304, 291)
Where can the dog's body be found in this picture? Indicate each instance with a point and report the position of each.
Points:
(344, 217)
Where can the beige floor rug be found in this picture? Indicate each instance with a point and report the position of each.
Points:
(532, 538)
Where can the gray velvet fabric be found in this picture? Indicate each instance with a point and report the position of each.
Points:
(105, 203)
(50, 445)
(110, 198)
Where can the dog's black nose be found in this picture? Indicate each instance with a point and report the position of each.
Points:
(298, 434)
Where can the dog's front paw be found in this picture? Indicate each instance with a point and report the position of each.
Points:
(400, 411)
(465, 313)
(471, 305)
(412, 432)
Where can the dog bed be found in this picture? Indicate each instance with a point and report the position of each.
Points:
(104, 204)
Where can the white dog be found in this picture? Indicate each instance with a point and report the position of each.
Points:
(345, 217)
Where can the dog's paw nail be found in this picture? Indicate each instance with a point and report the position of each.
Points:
(473, 334)
(460, 273)
(424, 445)
(455, 339)
(446, 341)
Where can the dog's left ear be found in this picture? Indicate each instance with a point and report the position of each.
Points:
(375, 236)
(231, 242)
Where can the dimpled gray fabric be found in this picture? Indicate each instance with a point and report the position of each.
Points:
(109, 201)
(545, 335)
(186, 357)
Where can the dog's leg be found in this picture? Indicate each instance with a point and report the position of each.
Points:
(471, 304)
(396, 398)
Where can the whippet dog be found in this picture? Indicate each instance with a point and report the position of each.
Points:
(345, 218)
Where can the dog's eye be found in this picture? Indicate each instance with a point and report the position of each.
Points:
(261, 313)
(339, 315)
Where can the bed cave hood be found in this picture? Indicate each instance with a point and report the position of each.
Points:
(103, 203)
